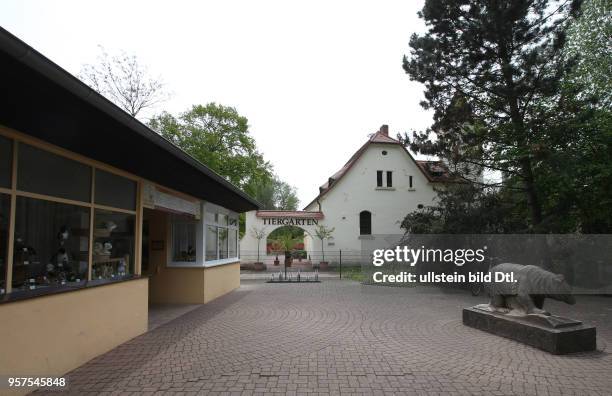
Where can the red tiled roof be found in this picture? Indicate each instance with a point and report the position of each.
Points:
(294, 214)
(434, 171)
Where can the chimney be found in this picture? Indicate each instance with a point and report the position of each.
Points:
(384, 130)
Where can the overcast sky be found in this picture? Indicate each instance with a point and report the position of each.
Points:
(314, 78)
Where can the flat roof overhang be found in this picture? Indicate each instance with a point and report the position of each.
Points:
(42, 100)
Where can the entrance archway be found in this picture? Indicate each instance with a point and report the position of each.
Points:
(261, 223)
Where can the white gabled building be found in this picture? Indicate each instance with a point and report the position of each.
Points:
(369, 196)
(373, 192)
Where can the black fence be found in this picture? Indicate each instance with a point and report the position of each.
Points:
(330, 260)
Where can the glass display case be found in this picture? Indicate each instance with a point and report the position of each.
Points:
(113, 247)
(51, 244)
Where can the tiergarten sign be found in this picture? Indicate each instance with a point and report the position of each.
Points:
(289, 221)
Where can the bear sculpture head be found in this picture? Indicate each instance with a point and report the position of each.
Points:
(560, 290)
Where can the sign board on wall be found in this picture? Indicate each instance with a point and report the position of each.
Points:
(153, 197)
(290, 221)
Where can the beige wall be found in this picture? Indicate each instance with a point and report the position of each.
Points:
(177, 286)
(183, 285)
(54, 334)
(193, 285)
(220, 280)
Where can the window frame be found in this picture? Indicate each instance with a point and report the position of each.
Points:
(231, 224)
(183, 219)
(362, 225)
(389, 179)
(379, 178)
(17, 139)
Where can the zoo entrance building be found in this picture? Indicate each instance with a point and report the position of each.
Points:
(368, 196)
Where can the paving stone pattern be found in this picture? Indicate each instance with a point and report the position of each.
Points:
(339, 337)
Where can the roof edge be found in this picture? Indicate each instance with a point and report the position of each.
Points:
(30, 57)
(357, 155)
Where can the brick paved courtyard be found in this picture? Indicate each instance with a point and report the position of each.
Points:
(342, 337)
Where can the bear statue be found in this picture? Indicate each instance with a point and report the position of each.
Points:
(526, 295)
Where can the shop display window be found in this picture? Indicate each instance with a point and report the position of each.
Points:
(113, 248)
(211, 243)
(42, 172)
(222, 219)
(233, 243)
(6, 161)
(222, 238)
(221, 235)
(183, 239)
(5, 201)
(116, 191)
(51, 244)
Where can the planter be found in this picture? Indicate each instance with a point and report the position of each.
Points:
(324, 265)
(259, 266)
(276, 262)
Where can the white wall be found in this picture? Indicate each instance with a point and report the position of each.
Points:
(248, 243)
(357, 191)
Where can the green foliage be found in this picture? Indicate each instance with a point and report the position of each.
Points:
(276, 195)
(352, 273)
(589, 44)
(286, 242)
(486, 66)
(294, 232)
(300, 254)
(506, 97)
(259, 234)
(323, 233)
(219, 137)
(464, 208)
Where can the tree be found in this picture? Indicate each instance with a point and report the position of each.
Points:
(323, 233)
(589, 44)
(276, 195)
(287, 243)
(124, 81)
(259, 234)
(492, 72)
(286, 196)
(464, 208)
(219, 137)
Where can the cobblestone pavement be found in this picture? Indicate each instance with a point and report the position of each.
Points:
(339, 337)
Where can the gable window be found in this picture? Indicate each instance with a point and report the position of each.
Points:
(365, 223)
(384, 179)
(410, 181)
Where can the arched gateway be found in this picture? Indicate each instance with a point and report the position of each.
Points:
(269, 220)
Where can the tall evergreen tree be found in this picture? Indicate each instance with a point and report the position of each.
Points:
(491, 69)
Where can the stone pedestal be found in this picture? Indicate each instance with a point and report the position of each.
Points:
(554, 334)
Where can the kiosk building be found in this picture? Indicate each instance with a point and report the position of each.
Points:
(99, 216)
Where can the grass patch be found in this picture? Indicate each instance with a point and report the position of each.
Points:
(352, 273)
